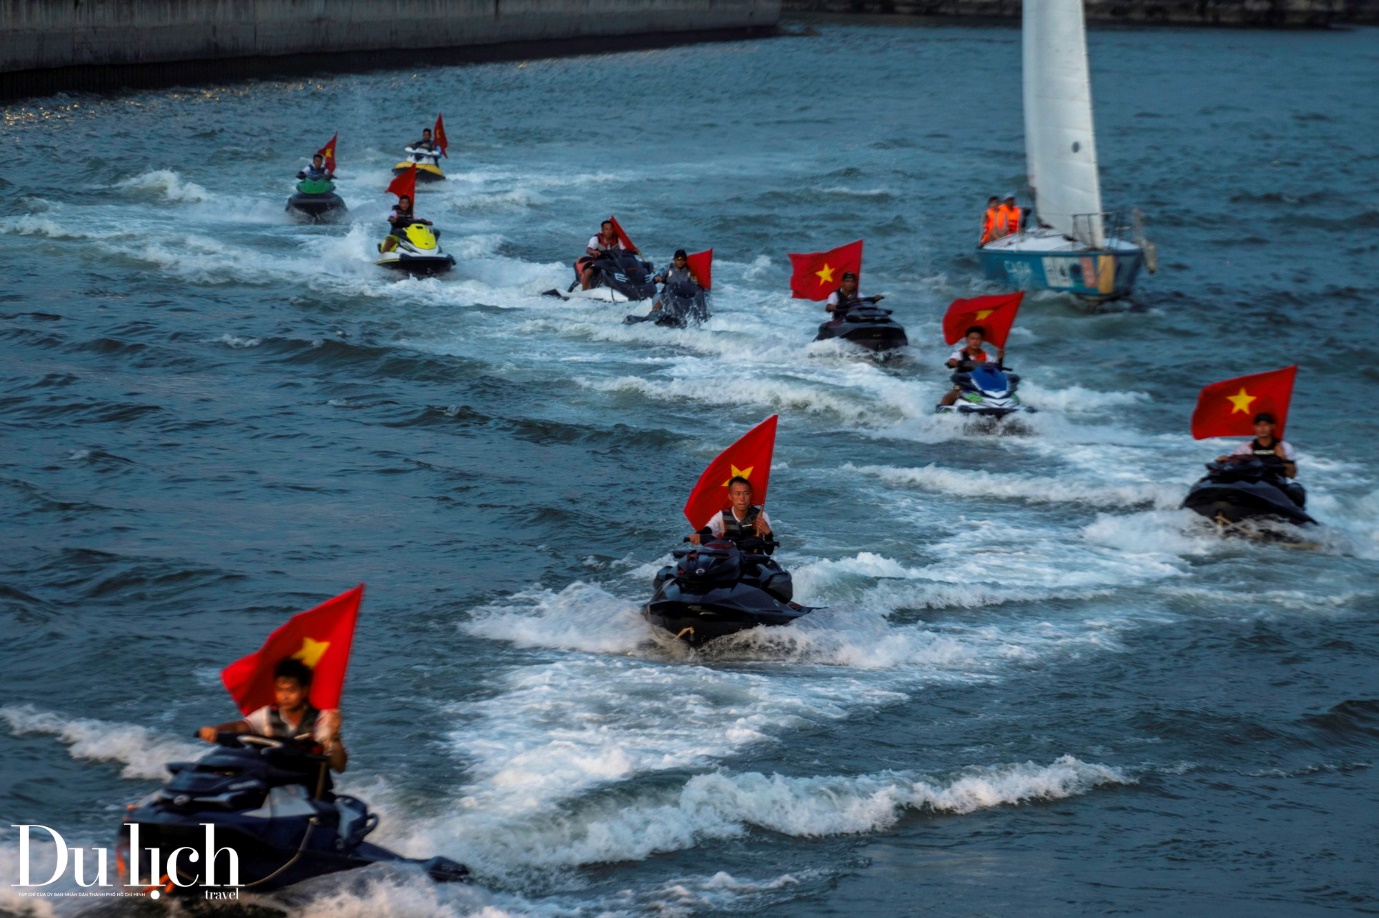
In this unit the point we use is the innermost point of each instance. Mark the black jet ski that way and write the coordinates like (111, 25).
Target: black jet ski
(317, 201)
(619, 277)
(865, 324)
(718, 588)
(985, 391)
(270, 801)
(1247, 489)
(681, 304)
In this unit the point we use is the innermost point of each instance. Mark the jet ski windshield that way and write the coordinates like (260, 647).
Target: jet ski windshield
(990, 378)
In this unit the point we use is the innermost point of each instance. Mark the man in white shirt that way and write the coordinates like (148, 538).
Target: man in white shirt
(741, 521)
(606, 240)
(292, 717)
(845, 297)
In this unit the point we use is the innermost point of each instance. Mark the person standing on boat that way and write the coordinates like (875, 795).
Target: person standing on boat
(605, 241)
(993, 209)
(401, 218)
(845, 297)
(962, 359)
(742, 520)
(317, 171)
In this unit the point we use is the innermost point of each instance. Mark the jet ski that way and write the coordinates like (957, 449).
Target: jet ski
(867, 325)
(317, 201)
(269, 801)
(719, 588)
(619, 277)
(428, 163)
(986, 392)
(1244, 489)
(681, 304)
(417, 252)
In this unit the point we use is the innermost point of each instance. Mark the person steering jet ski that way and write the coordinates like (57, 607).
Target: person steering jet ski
(317, 171)
(291, 716)
(1277, 455)
(971, 352)
(401, 218)
(742, 520)
(845, 297)
(605, 240)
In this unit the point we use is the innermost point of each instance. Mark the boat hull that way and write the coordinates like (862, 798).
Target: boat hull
(1096, 274)
(425, 171)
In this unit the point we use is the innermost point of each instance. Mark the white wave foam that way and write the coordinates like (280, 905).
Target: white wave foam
(1036, 489)
(143, 752)
(238, 342)
(166, 184)
(579, 617)
(723, 805)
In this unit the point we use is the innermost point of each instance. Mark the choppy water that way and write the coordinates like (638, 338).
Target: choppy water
(1038, 687)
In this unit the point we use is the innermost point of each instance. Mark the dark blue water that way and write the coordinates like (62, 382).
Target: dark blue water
(1037, 688)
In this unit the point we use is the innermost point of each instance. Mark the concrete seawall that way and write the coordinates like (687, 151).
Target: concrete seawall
(1259, 13)
(76, 42)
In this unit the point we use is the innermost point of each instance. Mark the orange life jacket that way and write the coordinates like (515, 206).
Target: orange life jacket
(1008, 220)
(989, 224)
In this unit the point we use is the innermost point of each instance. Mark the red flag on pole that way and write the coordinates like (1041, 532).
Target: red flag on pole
(405, 184)
(622, 236)
(319, 637)
(328, 152)
(1228, 408)
(438, 135)
(701, 263)
(749, 458)
(995, 314)
(815, 275)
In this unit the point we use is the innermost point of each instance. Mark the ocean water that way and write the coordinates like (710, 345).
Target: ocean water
(1037, 687)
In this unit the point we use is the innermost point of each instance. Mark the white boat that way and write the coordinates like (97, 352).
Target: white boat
(1072, 245)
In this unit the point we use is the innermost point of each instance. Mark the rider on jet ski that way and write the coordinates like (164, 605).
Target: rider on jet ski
(743, 520)
(292, 716)
(971, 352)
(1277, 455)
(401, 218)
(425, 143)
(845, 297)
(605, 241)
(317, 170)
(677, 274)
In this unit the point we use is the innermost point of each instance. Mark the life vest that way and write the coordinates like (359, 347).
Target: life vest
(1265, 454)
(734, 530)
(280, 729)
(989, 224)
(1008, 220)
(845, 302)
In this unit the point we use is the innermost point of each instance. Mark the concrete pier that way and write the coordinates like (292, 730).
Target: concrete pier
(91, 43)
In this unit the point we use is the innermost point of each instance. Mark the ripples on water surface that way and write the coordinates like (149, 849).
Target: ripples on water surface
(1038, 687)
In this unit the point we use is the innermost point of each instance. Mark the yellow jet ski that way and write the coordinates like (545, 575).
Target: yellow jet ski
(428, 163)
(418, 252)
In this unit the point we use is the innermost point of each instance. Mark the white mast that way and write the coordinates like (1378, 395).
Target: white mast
(1060, 145)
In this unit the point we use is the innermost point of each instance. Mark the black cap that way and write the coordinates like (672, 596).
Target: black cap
(847, 274)
(680, 253)
(1266, 417)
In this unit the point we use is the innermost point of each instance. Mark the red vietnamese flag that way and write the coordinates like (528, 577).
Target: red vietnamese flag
(701, 264)
(622, 235)
(1228, 408)
(319, 637)
(815, 275)
(438, 135)
(328, 152)
(750, 458)
(405, 184)
(995, 314)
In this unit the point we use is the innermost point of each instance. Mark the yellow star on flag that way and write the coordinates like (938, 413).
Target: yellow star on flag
(311, 651)
(826, 275)
(1241, 401)
(739, 473)
(984, 313)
